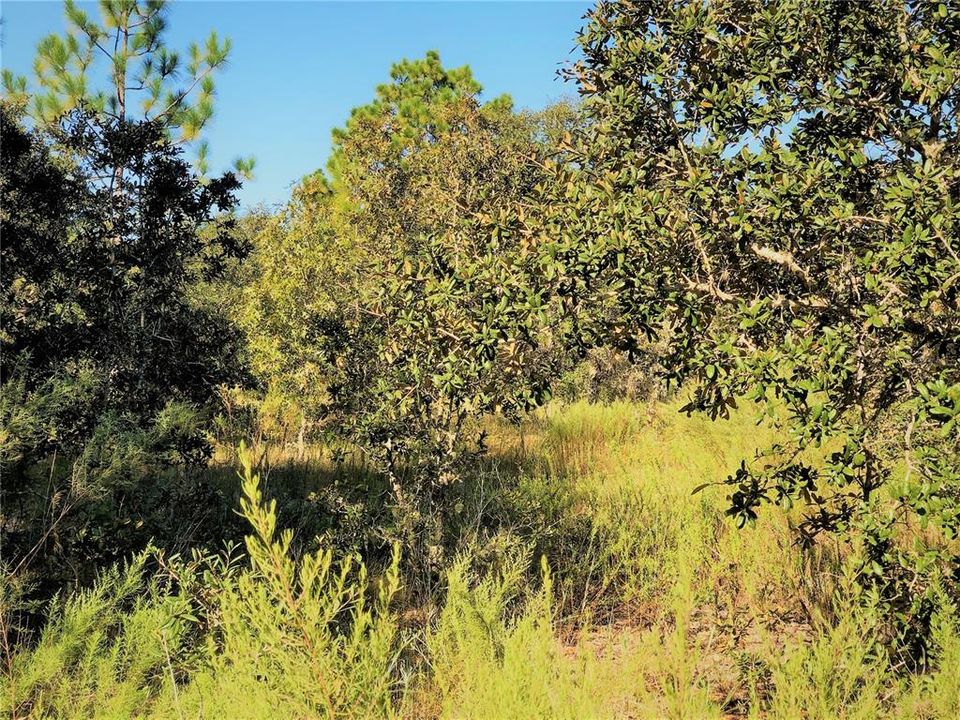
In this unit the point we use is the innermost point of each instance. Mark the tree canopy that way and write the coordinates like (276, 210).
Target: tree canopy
(108, 355)
(120, 67)
(774, 186)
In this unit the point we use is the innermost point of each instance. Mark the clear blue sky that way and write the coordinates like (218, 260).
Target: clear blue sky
(299, 67)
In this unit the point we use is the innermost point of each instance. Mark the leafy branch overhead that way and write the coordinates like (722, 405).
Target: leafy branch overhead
(776, 185)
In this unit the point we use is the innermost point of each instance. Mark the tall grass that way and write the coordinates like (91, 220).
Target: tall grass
(661, 607)
(283, 637)
(587, 581)
(104, 653)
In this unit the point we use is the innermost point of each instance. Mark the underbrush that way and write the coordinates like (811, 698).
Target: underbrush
(582, 579)
(297, 638)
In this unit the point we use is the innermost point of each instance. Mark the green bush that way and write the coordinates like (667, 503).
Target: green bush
(305, 637)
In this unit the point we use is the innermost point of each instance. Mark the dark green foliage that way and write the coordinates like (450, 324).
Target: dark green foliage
(98, 267)
(774, 186)
(107, 357)
(40, 202)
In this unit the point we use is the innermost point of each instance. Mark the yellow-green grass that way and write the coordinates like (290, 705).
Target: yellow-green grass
(587, 581)
(700, 619)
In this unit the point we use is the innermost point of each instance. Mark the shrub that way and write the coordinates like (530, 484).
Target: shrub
(109, 357)
(302, 637)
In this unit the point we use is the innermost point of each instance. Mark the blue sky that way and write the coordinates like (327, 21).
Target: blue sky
(298, 68)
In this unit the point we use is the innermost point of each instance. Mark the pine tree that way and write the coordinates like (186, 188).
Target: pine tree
(142, 78)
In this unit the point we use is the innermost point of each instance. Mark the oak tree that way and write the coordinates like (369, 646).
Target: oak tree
(774, 188)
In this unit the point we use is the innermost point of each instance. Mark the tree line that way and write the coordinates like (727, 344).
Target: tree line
(758, 201)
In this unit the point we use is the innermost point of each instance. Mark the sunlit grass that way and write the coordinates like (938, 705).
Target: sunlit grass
(585, 579)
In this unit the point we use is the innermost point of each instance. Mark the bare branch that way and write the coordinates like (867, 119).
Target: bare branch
(783, 258)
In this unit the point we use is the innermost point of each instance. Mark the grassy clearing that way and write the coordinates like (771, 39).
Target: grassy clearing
(584, 580)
